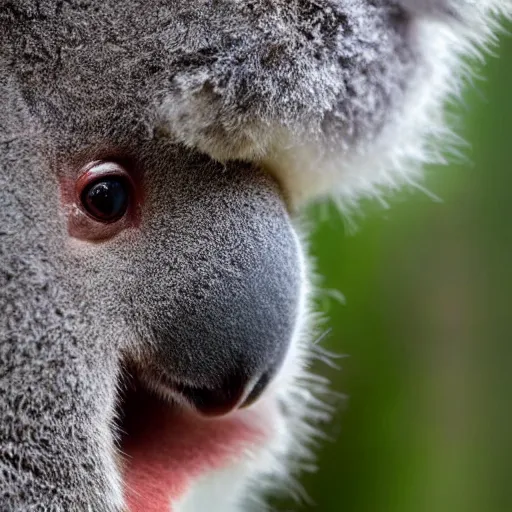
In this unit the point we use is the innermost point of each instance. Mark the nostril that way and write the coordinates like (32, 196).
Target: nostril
(223, 399)
(218, 401)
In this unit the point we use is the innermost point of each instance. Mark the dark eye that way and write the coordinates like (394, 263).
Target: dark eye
(107, 198)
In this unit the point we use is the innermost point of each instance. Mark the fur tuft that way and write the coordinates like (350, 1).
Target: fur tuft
(336, 99)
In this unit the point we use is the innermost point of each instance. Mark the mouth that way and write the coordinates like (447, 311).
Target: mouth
(166, 446)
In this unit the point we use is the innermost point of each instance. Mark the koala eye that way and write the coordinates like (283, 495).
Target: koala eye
(106, 199)
(104, 192)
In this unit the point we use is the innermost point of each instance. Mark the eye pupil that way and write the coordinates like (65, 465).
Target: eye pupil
(107, 199)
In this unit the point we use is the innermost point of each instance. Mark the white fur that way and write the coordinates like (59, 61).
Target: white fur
(417, 132)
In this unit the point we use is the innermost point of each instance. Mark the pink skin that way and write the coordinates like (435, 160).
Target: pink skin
(166, 448)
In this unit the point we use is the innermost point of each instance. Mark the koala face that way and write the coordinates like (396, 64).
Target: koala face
(154, 322)
(146, 270)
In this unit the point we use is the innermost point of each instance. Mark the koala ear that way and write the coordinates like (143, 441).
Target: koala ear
(441, 35)
(335, 99)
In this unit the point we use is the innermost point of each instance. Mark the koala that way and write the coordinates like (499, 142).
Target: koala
(156, 326)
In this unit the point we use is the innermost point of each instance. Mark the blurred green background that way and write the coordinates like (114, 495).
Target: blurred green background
(426, 324)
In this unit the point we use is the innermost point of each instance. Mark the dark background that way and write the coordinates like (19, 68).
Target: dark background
(426, 325)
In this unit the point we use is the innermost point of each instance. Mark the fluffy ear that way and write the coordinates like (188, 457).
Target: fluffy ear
(443, 35)
(339, 99)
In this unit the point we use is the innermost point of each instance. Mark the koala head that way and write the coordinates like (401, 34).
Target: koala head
(155, 327)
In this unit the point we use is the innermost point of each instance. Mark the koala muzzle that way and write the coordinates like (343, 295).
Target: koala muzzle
(222, 318)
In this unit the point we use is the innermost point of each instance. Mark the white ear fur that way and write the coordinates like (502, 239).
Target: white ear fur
(417, 131)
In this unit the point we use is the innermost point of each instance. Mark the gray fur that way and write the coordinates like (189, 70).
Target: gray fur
(209, 287)
(225, 73)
